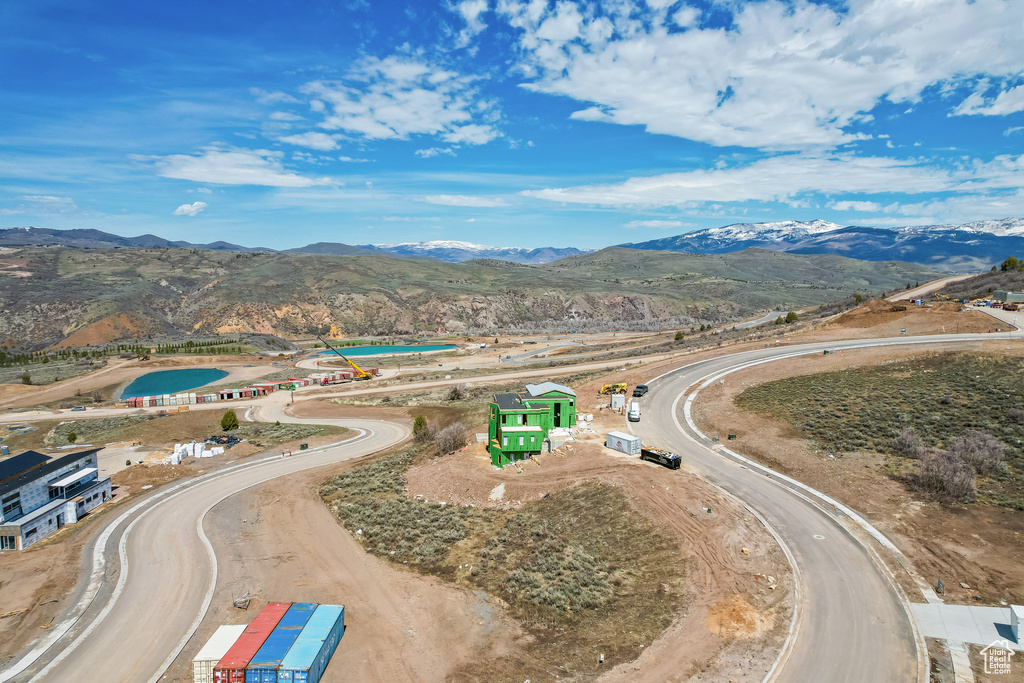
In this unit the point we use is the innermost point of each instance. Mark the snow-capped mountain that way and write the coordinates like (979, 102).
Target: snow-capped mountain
(968, 247)
(455, 251)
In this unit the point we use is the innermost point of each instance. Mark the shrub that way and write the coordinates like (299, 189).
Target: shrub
(72, 437)
(454, 394)
(26, 379)
(980, 450)
(229, 421)
(948, 477)
(792, 317)
(909, 444)
(451, 438)
(679, 336)
(419, 428)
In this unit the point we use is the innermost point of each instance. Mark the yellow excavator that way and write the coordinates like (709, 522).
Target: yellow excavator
(360, 373)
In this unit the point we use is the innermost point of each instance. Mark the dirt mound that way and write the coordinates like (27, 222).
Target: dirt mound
(890, 318)
(112, 328)
(734, 617)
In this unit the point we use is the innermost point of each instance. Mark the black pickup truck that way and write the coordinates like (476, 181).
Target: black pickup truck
(639, 390)
(669, 460)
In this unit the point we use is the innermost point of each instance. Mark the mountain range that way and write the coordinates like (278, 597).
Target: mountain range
(969, 247)
(953, 248)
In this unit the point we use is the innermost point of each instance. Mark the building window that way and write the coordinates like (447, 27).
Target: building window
(8, 542)
(30, 533)
(12, 506)
(504, 441)
(521, 440)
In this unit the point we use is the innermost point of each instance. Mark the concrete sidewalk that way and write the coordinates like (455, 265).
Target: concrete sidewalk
(965, 623)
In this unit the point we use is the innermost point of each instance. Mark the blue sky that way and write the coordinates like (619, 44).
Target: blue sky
(504, 122)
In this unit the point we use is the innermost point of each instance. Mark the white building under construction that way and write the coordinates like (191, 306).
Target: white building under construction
(39, 494)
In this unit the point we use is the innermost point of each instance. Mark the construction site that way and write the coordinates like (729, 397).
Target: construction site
(423, 545)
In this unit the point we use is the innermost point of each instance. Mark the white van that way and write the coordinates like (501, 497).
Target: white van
(634, 411)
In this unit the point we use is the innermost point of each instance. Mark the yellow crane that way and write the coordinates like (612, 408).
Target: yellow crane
(360, 373)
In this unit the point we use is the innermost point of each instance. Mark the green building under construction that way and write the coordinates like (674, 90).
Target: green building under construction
(518, 424)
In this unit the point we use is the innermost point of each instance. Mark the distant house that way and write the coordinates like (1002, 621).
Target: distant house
(39, 495)
(518, 424)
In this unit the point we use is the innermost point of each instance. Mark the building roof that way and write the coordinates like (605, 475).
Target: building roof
(508, 402)
(537, 390)
(12, 467)
(28, 475)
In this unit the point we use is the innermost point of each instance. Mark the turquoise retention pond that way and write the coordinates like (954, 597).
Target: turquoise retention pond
(171, 381)
(374, 350)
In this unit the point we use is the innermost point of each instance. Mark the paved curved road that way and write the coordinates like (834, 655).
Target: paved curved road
(133, 630)
(853, 625)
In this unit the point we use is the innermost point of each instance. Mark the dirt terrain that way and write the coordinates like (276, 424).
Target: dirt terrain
(981, 546)
(879, 319)
(280, 542)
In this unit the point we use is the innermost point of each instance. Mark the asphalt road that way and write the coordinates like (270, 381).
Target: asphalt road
(135, 627)
(852, 624)
(852, 627)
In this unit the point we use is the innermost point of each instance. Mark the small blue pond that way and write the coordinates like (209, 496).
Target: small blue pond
(171, 381)
(374, 350)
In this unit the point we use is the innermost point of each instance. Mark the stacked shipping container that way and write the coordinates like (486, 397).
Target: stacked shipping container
(309, 656)
(231, 668)
(264, 665)
(214, 650)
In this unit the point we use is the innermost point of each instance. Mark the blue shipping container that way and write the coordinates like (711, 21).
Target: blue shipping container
(313, 649)
(263, 666)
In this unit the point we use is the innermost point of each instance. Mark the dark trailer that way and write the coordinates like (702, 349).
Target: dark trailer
(669, 460)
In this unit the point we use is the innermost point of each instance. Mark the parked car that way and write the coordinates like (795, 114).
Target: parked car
(640, 390)
(78, 408)
(634, 412)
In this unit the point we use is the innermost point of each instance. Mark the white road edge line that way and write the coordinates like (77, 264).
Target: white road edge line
(99, 565)
(777, 476)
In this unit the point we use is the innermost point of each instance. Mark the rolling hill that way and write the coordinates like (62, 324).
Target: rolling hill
(48, 294)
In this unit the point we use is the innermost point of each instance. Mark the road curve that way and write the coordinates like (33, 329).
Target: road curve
(853, 624)
(134, 629)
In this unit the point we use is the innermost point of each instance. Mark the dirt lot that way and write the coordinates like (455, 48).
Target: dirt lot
(979, 545)
(878, 319)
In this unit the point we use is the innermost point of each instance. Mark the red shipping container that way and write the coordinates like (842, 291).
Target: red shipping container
(231, 667)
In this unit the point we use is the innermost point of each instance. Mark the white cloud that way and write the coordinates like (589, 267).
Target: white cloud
(470, 11)
(313, 140)
(660, 225)
(190, 209)
(786, 178)
(780, 76)
(352, 160)
(204, 190)
(401, 96)
(268, 97)
(40, 204)
(434, 151)
(1006, 102)
(463, 200)
(855, 206)
(230, 166)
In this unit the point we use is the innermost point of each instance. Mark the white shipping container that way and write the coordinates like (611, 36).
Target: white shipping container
(214, 650)
(627, 443)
